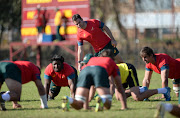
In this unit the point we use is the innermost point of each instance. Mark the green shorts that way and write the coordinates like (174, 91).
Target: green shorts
(93, 75)
(9, 70)
(108, 46)
(176, 81)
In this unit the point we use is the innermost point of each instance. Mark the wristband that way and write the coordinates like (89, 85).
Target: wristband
(79, 61)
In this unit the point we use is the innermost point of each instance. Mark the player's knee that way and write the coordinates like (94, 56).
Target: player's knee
(54, 92)
(137, 98)
(108, 98)
(81, 100)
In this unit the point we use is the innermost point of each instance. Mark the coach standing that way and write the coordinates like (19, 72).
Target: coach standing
(92, 31)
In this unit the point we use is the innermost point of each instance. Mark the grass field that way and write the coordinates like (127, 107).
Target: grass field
(31, 104)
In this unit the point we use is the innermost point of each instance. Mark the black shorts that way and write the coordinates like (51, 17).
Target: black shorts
(132, 79)
(93, 75)
(9, 70)
(108, 46)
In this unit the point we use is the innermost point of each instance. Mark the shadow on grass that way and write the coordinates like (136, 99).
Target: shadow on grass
(25, 109)
(28, 100)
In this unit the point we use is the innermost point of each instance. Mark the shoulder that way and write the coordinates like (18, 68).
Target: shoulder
(66, 66)
(49, 68)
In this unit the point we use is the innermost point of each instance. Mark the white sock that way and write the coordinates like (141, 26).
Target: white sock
(162, 90)
(103, 100)
(70, 100)
(6, 96)
(43, 99)
(168, 107)
(141, 89)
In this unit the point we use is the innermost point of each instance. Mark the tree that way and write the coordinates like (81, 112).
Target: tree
(10, 16)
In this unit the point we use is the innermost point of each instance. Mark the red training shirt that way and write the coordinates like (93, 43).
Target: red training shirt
(164, 61)
(29, 71)
(94, 35)
(59, 78)
(105, 62)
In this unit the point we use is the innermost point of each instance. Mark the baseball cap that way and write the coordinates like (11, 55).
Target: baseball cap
(86, 58)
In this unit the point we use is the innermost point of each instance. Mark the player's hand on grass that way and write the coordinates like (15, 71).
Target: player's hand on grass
(123, 108)
(16, 106)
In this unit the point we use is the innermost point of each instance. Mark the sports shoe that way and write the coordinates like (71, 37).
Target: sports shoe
(167, 94)
(2, 103)
(99, 104)
(65, 103)
(160, 111)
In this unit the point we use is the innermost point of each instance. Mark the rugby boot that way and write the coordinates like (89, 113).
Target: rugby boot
(160, 111)
(2, 102)
(167, 94)
(99, 104)
(65, 103)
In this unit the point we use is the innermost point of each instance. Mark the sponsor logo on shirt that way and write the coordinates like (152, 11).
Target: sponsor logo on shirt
(114, 51)
(63, 76)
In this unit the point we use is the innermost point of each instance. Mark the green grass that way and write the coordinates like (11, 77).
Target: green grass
(31, 104)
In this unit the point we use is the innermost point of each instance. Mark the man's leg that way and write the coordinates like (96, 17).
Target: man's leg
(163, 107)
(54, 91)
(81, 98)
(14, 88)
(139, 95)
(106, 98)
(13, 94)
(176, 88)
(91, 93)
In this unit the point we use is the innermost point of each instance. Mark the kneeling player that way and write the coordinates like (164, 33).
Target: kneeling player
(96, 73)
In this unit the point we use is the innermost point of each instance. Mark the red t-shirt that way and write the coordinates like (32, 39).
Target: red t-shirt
(164, 61)
(29, 71)
(105, 62)
(94, 35)
(59, 78)
(39, 19)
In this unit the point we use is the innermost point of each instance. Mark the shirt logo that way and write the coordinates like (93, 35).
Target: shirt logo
(63, 76)
(84, 35)
(54, 76)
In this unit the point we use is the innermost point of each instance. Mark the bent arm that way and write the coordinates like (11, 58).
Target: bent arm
(147, 77)
(72, 87)
(120, 92)
(47, 86)
(40, 87)
(113, 41)
(42, 94)
(164, 77)
(80, 56)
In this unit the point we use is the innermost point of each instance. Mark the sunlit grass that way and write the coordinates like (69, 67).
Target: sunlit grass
(31, 104)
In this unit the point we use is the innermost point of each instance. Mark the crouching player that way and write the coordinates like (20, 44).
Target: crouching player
(96, 73)
(15, 74)
(59, 74)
